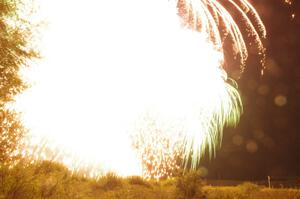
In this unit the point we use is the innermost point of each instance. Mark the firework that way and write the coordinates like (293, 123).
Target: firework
(160, 155)
(212, 17)
(203, 120)
(106, 70)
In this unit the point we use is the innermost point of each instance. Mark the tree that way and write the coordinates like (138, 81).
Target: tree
(15, 52)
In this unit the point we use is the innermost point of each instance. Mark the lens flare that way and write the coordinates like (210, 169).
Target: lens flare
(135, 86)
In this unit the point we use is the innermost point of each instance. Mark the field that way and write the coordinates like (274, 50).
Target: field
(51, 180)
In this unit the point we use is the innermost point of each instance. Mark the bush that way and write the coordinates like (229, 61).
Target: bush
(42, 179)
(248, 188)
(137, 180)
(47, 167)
(109, 182)
(190, 185)
(169, 182)
(17, 182)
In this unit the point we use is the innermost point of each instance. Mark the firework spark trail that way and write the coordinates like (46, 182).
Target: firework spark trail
(204, 121)
(159, 154)
(207, 16)
(163, 58)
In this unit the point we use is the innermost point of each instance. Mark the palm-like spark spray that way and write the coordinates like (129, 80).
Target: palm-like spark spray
(213, 19)
(205, 119)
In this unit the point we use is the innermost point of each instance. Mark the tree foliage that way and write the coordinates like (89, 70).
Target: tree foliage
(15, 52)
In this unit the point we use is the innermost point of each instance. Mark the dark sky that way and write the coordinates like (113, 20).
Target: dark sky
(267, 139)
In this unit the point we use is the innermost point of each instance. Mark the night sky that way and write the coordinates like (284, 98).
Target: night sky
(267, 139)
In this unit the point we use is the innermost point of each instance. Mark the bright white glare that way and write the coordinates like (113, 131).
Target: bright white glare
(107, 62)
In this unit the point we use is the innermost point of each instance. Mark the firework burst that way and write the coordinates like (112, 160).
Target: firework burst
(204, 120)
(159, 154)
(152, 78)
(213, 19)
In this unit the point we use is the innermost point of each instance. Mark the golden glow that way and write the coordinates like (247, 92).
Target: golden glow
(109, 63)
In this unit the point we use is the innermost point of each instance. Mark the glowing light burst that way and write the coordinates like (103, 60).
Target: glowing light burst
(218, 103)
(109, 64)
(213, 19)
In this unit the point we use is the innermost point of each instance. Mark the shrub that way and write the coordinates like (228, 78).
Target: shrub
(17, 182)
(47, 167)
(137, 180)
(248, 188)
(109, 182)
(169, 182)
(42, 179)
(190, 185)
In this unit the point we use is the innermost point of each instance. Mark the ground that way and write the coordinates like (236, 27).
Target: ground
(51, 180)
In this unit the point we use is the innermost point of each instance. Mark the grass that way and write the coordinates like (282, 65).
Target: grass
(262, 193)
(49, 180)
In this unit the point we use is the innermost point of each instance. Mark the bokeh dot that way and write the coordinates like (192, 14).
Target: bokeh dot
(258, 134)
(238, 140)
(252, 84)
(263, 89)
(203, 171)
(273, 68)
(251, 146)
(268, 142)
(280, 100)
